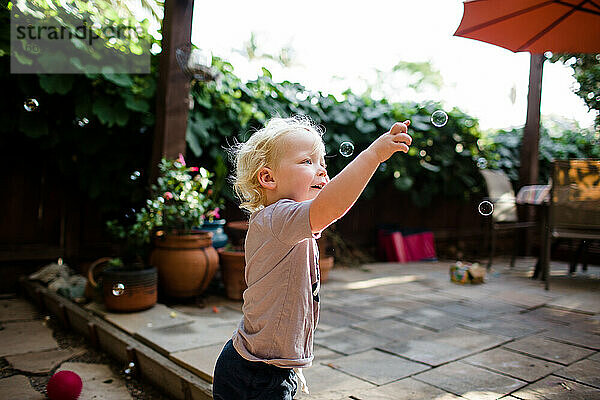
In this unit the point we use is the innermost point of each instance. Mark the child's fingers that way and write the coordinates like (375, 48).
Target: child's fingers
(403, 147)
(400, 127)
(402, 138)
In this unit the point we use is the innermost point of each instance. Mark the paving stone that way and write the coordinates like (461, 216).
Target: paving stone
(377, 367)
(550, 350)
(330, 318)
(159, 316)
(573, 336)
(469, 381)
(99, 382)
(201, 361)
(405, 389)
(185, 337)
(347, 340)
(25, 337)
(403, 303)
(481, 309)
(441, 347)
(557, 388)
(522, 298)
(425, 351)
(525, 319)
(590, 325)
(588, 302)
(391, 329)
(323, 355)
(432, 318)
(224, 313)
(584, 371)
(18, 387)
(514, 364)
(504, 327)
(560, 316)
(369, 312)
(17, 310)
(42, 362)
(325, 383)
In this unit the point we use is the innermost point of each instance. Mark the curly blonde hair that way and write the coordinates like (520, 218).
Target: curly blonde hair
(263, 149)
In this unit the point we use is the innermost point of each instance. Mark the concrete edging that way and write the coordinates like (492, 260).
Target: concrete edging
(173, 379)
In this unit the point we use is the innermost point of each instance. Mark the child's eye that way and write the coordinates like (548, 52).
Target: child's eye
(308, 160)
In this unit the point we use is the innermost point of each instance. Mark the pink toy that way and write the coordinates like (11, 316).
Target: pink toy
(64, 385)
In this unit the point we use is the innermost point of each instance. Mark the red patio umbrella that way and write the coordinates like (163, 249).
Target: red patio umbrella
(536, 26)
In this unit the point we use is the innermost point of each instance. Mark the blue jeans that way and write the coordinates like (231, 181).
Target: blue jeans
(236, 378)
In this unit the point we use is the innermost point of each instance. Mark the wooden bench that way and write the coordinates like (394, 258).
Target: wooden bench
(574, 211)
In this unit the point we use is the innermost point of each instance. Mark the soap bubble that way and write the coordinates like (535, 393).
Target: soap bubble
(82, 122)
(346, 149)
(439, 118)
(118, 289)
(485, 208)
(459, 148)
(130, 370)
(481, 163)
(31, 105)
(383, 167)
(135, 175)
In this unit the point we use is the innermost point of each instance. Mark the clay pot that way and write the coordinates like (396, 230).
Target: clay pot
(186, 263)
(237, 230)
(233, 264)
(325, 265)
(125, 290)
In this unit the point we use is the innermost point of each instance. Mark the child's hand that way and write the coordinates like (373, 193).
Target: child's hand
(396, 139)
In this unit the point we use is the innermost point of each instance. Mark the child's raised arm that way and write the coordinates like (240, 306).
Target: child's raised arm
(339, 195)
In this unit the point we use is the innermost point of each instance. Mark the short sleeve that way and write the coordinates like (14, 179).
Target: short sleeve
(290, 221)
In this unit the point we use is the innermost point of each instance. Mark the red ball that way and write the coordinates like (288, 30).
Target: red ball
(64, 385)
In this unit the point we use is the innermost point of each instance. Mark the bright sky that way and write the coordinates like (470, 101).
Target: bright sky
(339, 44)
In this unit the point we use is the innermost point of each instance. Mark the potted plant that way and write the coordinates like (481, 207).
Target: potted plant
(128, 282)
(185, 259)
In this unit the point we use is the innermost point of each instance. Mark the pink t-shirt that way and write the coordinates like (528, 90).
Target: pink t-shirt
(281, 304)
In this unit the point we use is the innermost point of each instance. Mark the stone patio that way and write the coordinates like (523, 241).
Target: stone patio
(404, 331)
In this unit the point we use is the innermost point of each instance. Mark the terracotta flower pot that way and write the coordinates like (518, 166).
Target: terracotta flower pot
(186, 263)
(325, 265)
(233, 264)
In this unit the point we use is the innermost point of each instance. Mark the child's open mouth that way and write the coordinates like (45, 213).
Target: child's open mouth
(319, 186)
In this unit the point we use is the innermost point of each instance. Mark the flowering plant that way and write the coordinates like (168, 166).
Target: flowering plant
(181, 200)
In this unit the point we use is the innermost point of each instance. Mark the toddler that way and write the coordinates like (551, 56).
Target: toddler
(281, 178)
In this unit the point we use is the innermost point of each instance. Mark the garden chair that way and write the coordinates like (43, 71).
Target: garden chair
(504, 216)
(574, 204)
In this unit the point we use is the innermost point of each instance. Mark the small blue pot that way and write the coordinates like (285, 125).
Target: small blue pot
(219, 238)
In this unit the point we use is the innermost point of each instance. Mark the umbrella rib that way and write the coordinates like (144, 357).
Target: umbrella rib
(579, 8)
(550, 27)
(505, 17)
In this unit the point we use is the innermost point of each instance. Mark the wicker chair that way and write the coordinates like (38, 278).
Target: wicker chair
(505, 216)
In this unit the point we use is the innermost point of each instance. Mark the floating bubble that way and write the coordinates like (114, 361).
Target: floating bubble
(482, 163)
(31, 104)
(346, 149)
(429, 142)
(459, 148)
(396, 174)
(485, 208)
(118, 289)
(130, 370)
(383, 167)
(82, 122)
(439, 118)
(422, 153)
(135, 175)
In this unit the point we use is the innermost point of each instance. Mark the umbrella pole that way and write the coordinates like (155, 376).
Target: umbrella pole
(528, 172)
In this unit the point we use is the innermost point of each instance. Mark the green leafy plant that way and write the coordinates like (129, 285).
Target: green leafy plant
(181, 200)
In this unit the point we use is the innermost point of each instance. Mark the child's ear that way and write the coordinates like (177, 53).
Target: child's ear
(266, 179)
